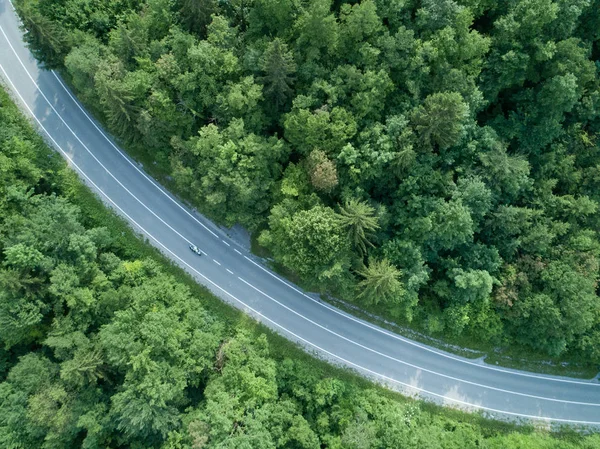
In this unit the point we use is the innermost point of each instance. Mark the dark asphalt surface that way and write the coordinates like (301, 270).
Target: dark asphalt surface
(238, 277)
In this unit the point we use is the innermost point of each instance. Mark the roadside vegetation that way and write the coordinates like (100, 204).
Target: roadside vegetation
(105, 344)
(434, 161)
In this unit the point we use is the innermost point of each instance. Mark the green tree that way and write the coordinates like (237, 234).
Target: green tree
(505, 174)
(278, 68)
(162, 345)
(452, 225)
(319, 129)
(433, 15)
(21, 309)
(32, 375)
(223, 168)
(208, 68)
(129, 40)
(474, 194)
(159, 121)
(47, 39)
(317, 30)
(364, 93)
(380, 283)
(471, 285)
(82, 64)
(441, 119)
(272, 17)
(359, 29)
(240, 100)
(407, 256)
(310, 242)
(117, 95)
(542, 112)
(195, 15)
(360, 221)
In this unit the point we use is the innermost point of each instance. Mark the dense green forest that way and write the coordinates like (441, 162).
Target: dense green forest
(433, 160)
(100, 347)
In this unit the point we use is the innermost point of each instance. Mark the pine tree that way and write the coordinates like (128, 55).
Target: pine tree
(381, 283)
(360, 221)
(278, 67)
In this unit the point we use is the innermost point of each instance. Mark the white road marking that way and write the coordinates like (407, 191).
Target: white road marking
(225, 242)
(458, 401)
(229, 271)
(414, 343)
(216, 262)
(402, 362)
(124, 156)
(237, 251)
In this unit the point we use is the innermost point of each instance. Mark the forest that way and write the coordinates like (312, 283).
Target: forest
(101, 346)
(437, 161)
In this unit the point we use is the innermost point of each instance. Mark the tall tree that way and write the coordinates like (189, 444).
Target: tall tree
(322, 171)
(309, 242)
(441, 119)
(381, 283)
(230, 167)
(48, 40)
(195, 15)
(320, 129)
(358, 218)
(278, 67)
(317, 30)
(117, 98)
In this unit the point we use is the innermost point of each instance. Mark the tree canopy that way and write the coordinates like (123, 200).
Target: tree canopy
(458, 140)
(101, 347)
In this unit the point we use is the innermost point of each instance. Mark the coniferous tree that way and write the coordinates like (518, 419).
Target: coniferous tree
(381, 283)
(359, 219)
(278, 67)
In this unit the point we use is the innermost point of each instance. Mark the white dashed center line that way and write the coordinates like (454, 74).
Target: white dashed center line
(216, 262)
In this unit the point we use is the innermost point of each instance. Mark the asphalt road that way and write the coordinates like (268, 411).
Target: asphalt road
(238, 278)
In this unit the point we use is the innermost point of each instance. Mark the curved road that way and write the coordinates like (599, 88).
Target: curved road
(235, 276)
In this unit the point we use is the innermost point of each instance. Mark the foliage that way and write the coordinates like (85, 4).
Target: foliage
(472, 127)
(310, 242)
(438, 121)
(229, 171)
(360, 221)
(101, 348)
(322, 171)
(277, 64)
(380, 283)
